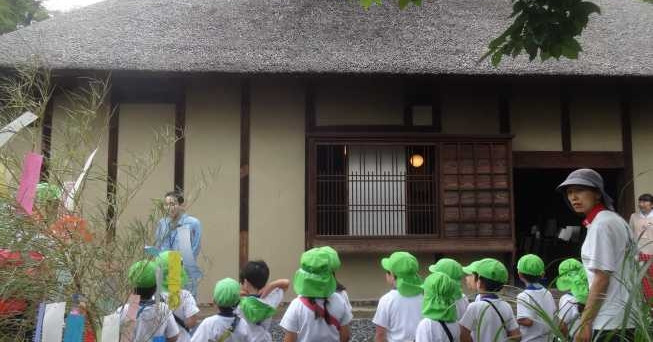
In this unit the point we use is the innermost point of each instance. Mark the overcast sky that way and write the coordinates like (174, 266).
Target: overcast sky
(67, 5)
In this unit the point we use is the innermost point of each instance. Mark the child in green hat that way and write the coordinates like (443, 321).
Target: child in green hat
(490, 318)
(152, 321)
(335, 264)
(318, 313)
(454, 270)
(470, 278)
(572, 280)
(225, 326)
(261, 299)
(399, 310)
(186, 315)
(535, 305)
(439, 310)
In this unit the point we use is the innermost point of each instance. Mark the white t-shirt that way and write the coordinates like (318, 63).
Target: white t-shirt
(461, 306)
(399, 315)
(532, 304)
(569, 313)
(301, 320)
(345, 297)
(187, 308)
(151, 321)
(605, 247)
(212, 328)
(429, 330)
(484, 323)
(261, 332)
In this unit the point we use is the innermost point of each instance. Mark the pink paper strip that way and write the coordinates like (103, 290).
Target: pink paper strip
(133, 302)
(28, 181)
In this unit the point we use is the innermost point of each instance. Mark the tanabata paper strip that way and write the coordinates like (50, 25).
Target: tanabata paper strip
(74, 328)
(53, 322)
(174, 280)
(28, 181)
(38, 329)
(70, 199)
(111, 328)
(15, 126)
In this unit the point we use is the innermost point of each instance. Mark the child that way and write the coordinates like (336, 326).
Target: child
(534, 302)
(335, 265)
(317, 314)
(152, 322)
(399, 311)
(470, 279)
(186, 315)
(489, 319)
(454, 270)
(260, 301)
(225, 326)
(573, 280)
(439, 310)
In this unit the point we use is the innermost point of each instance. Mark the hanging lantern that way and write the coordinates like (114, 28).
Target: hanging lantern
(416, 160)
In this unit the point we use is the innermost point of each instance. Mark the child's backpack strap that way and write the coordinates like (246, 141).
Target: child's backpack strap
(320, 311)
(447, 331)
(503, 322)
(227, 333)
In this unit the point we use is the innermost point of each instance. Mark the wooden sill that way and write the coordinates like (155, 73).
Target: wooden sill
(351, 245)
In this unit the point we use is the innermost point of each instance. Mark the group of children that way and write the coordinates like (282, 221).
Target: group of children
(415, 309)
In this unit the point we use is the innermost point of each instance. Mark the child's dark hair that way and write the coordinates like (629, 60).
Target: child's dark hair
(256, 273)
(530, 278)
(339, 286)
(490, 285)
(227, 309)
(145, 292)
(317, 314)
(176, 195)
(646, 198)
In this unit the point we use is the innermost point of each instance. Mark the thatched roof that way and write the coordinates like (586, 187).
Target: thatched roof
(317, 36)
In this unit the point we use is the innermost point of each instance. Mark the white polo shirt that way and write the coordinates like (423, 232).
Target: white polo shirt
(261, 332)
(485, 324)
(531, 303)
(301, 320)
(187, 308)
(429, 330)
(399, 315)
(605, 247)
(214, 327)
(461, 306)
(568, 313)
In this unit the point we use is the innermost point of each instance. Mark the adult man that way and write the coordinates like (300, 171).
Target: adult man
(642, 225)
(606, 255)
(181, 232)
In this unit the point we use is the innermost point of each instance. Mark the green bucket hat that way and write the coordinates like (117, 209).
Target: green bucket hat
(440, 295)
(142, 274)
(254, 310)
(580, 289)
(315, 276)
(404, 266)
(334, 259)
(450, 267)
(568, 271)
(226, 293)
(531, 264)
(162, 262)
(492, 269)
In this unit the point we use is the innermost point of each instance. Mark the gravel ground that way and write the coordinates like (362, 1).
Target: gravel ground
(362, 330)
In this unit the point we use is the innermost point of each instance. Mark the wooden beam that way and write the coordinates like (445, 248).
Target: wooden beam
(112, 165)
(565, 118)
(504, 110)
(180, 139)
(245, 98)
(567, 160)
(416, 244)
(626, 198)
(46, 138)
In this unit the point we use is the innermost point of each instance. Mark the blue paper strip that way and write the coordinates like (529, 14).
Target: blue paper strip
(38, 330)
(74, 331)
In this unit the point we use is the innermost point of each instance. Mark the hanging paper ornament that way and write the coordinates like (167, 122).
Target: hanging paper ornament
(174, 280)
(71, 227)
(28, 180)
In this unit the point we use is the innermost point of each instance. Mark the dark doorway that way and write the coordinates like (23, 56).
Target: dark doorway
(540, 213)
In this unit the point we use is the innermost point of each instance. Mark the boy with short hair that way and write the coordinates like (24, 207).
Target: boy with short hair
(399, 311)
(260, 299)
(225, 326)
(489, 319)
(534, 302)
(152, 322)
(439, 310)
(454, 270)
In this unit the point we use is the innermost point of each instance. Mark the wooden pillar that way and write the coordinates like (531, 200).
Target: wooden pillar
(245, 98)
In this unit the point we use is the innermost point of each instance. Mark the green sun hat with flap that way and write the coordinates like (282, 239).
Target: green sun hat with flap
(226, 293)
(255, 310)
(404, 266)
(315, 278)
(568, 271)
(162, 260)
(450, 267)
(440, 295)
(334, 259)
(142, 274)
(492, 269)
(531, 264)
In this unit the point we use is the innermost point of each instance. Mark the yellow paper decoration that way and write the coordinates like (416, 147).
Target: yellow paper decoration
(4, 182)
(174, 280)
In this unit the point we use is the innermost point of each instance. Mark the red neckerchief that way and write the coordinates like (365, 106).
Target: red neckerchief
(592, 214)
